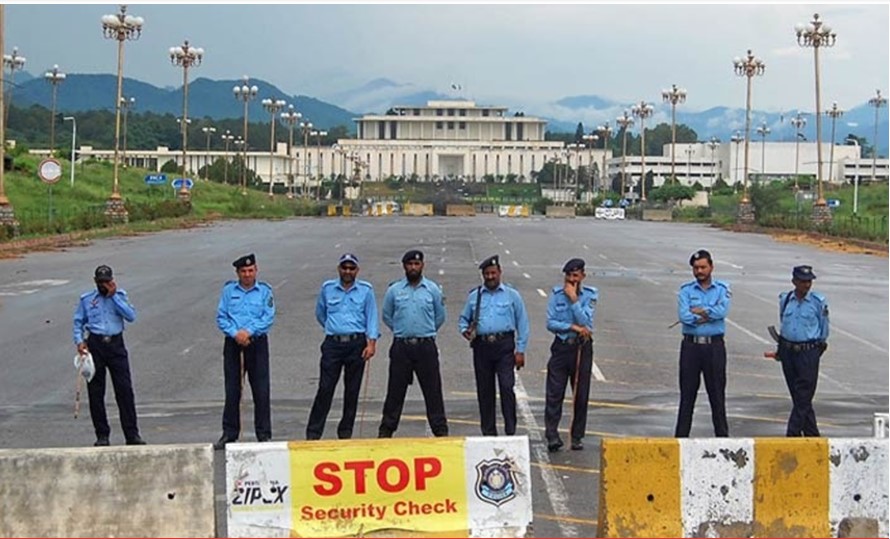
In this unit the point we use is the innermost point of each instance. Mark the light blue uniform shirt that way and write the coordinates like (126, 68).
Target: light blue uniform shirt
(500, 310)
(804, 320)
(413, 311)
(341, 311)
(715, 299)
(253, 310)
(101, 315)
(562, 313)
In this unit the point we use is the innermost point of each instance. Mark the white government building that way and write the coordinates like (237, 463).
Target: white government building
(461, 140)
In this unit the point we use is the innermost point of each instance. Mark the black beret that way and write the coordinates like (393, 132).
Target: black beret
(574, 264)
(104, 273)
(413, 254)
(246, 260)
(490, 261)
(803, 273)
(698, 255)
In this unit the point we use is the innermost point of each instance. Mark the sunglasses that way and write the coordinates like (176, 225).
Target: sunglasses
(349, 268)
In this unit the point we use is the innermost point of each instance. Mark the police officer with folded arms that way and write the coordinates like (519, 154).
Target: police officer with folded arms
(495, 322)
(702, 307)
(803, 314)
(99, 329)
(570, 314)
(414, 309)
(245, 314)
(347, 310)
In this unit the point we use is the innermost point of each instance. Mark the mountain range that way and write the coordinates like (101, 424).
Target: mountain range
(214, 99)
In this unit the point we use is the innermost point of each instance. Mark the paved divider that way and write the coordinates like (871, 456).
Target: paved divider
(418, 210)
(560, 211)
(460, 210)
(657, 215)
(744, 487)
(513, 211)
(334, 211)
(148, 491)
(449, 487)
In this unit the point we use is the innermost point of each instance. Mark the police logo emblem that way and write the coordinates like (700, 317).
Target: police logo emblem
(495, 481)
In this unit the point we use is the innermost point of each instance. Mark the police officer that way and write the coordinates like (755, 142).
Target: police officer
(347, 310)
(99, 329)
(570, 313)
(414, 309)
(803, 314)
(245, 315)
(702, 306)
(495, 322)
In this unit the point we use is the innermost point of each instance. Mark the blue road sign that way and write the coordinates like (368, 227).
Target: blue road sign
(156, 179)
(177, 183)
(833, 203)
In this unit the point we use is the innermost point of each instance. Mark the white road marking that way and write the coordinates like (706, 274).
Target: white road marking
(526, 275)
(441, 260)
(556, 490)
(597, 373)
(279, 285)
(507, 251)
(515, 263)
(858, 339)
(748, 332)
(337, 246)
(500, 242)
(186, 351)
(441, 272)
(604, 257)
(444, 249)
(542, 293)
(647, 279)
(736, 266)
(19, 293)
(588, 248)
(39, 282)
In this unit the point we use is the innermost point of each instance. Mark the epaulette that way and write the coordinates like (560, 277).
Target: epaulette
(557, 289)
(264, 284)
(819, 297)
(329, 282)
(85, 294)
(688, 283)
(364, 283)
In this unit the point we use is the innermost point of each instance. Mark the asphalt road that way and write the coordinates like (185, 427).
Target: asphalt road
(174, 279)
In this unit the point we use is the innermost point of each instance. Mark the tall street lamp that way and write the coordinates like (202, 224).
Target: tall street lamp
(306, 128)
(605, 132)
(589, 140)
(208, 130)
(835, 113)
(185, 56)
(120, 27)
(272, 106)
(747, 67)
(227, 137)
(877, 102)
(625, 121)
(673, 96)
(73, 121)
(126, 105)
(817, 34)
(737, 138)
(763, 131)
(713, 144)
(13, 62)
(318, 136)
(54, 77)
(290, 117)
(642, 111)
(855, 142)
(798, 122)
(7, 214)
(244, 93)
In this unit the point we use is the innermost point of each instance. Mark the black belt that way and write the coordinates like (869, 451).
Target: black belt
(702, 339)
(571, 341)
(414, 340)
(106, 338)
(495, 337)
(347, 337)
(801, 346)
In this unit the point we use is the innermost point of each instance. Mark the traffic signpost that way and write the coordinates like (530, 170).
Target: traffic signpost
(49, 171)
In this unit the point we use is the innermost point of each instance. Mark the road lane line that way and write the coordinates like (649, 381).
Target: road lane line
(279, 285)
(542, 293)
(507, 251)
(556, 490)
(748, 332)
(586, 247)
(573, 520)
(597, 373)
(441, 272)
(515, 263)
(604, 257)
(564, 468)
(526, 275)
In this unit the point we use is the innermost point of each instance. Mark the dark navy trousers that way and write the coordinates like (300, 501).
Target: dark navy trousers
(256, 364)
(801, 370)
(405, 361)
(113, 357)
(699, 361)
(335, 357)
(495, 360)
(564, 365)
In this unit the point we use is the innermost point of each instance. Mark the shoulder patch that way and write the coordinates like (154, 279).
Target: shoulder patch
(86, 294)
(556, 289)
(364, 283)
(688, 283)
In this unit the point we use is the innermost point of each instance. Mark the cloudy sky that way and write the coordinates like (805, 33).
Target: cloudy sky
(500, 54)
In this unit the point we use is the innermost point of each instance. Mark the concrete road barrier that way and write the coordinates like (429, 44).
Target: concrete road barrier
(744, 487)
(657, 215)
(513, 211)
(560, 211)
(418, 210)
(147, 491)
(460, 210)
(378, 209)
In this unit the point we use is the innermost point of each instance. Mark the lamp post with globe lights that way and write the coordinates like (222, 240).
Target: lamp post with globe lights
(306, 128)
(208, 130)
(763, 131)
(605, 132)
(817, 34)
(239, 150)
(290, 117)
(272, 106)
(318, 136)
(642, 111)
(120, 27)
(798, 122)
(877, 102)
(185, 56)
(747, 67)
(227, 137)
(673, 96)
(736, 138)
(13, 62)
(713, 144)
(54, 77)
(7, 214)
(126, 105)
(589, 140)
(244, 93)
(834, 112)
(625, 121)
